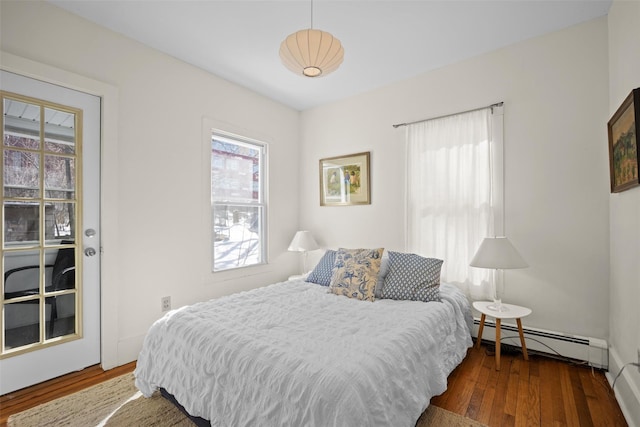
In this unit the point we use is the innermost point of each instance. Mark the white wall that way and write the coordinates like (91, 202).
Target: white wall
(624, 316)
(161, 235)
(556, 163)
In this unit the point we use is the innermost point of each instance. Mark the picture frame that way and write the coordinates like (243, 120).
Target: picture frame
(345, 180)
(624, 153)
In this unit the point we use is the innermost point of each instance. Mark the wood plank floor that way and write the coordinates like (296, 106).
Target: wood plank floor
(541, 392)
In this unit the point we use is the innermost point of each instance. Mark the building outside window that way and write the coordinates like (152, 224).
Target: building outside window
(238, 202)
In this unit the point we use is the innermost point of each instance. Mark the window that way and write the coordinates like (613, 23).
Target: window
(454, 190)
(40, 302)
(238, 202)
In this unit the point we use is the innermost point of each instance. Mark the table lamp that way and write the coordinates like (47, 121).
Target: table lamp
(303, 242)
(499, 254)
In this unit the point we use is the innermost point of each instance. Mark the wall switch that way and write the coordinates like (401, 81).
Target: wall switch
(165, 303)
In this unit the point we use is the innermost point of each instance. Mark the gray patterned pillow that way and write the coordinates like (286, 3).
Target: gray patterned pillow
(322, 273)
(412, 277)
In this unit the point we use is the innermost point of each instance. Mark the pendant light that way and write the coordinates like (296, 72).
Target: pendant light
(311, 53)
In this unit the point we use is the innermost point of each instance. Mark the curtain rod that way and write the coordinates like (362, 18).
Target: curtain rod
(497, 104)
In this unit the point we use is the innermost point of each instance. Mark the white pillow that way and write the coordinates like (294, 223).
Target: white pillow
(384, 269)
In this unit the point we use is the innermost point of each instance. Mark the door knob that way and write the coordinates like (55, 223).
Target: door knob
(90, 232)
(89, 252)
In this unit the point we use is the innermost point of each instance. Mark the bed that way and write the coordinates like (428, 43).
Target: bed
(294, 354)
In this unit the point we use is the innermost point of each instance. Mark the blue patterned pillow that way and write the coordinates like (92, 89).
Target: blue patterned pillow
(412, 277)
(322, 273)
(355, 273)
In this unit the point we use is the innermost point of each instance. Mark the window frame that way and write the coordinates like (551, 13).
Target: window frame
(261, 203)
(45, 248)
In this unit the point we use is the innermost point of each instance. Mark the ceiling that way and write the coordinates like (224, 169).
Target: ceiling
(384, 41)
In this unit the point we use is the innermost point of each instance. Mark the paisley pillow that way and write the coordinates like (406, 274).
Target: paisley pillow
(355, 273)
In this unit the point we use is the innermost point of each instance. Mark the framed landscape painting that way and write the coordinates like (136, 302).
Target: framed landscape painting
(624, 155)
(344, 180)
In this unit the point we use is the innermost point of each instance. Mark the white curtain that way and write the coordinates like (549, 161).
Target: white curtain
(449, 194)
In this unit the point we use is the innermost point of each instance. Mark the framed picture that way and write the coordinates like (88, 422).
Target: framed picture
(345, 180)
(624, 154)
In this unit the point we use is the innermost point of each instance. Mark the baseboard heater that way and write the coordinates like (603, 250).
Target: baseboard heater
(594, 351)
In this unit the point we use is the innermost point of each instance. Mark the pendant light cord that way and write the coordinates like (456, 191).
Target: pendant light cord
(312, 14)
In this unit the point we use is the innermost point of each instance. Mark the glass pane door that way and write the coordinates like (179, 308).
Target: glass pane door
(40, 288)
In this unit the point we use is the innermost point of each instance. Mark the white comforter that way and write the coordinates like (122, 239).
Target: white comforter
(292, 354)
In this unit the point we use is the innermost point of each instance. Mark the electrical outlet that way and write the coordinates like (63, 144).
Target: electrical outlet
(165, 303)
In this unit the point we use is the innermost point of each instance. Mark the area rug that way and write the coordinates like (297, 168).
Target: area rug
(118, 403)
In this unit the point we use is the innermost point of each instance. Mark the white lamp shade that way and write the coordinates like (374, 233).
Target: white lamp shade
(303, 241)
(311, 53)
(498, 253)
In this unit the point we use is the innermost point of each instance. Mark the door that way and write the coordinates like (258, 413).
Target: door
(50, 298)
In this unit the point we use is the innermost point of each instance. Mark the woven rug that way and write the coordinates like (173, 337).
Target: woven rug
(117, 403)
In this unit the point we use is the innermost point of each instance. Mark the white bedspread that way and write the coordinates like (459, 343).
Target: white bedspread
(292, 354)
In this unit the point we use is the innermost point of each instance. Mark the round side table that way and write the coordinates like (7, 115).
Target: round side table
(510, 311)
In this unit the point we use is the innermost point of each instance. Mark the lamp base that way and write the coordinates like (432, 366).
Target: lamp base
(497, 306)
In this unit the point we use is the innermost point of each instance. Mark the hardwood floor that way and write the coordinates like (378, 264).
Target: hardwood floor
(540, 392)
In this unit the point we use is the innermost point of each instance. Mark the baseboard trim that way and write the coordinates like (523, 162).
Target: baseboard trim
(626, 391)
(129, 349)
(593, 351)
